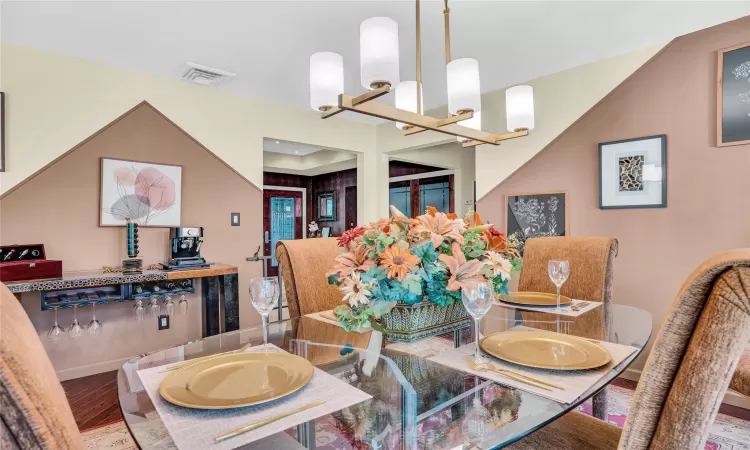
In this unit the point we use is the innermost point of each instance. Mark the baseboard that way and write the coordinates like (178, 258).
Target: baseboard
(730, 398)
(91, 369)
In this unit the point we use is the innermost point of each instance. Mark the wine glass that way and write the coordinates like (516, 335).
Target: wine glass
(95, 327)
(183, 304)
(168, 305)
(558, 272)
(56, 332)
(477, 299)
(153, 306)
(75, 330)
(139, 311)
(264, 293)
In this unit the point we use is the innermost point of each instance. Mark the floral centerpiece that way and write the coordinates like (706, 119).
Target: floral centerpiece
(403, 261)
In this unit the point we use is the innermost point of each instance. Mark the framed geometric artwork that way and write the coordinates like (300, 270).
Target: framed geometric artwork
(2, 131)
(733, 96)
(538, 214)
(146, 193)
(633, 173)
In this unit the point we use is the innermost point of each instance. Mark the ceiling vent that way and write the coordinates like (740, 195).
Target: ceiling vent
(206, 76)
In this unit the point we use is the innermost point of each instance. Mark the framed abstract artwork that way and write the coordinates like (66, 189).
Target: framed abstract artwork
(538, 214)
(146, 193)
(733, 96)
(633, 173)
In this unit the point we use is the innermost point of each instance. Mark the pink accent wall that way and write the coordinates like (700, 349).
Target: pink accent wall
(59, 207)
(708, 188)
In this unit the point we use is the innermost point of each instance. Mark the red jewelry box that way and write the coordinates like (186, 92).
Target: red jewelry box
(27, 262)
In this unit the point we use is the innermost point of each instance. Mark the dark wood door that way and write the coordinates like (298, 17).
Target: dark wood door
(282, 220)
(350, 207)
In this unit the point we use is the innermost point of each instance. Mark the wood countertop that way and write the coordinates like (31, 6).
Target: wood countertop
(92, 278)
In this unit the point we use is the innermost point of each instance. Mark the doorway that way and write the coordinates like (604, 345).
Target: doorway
(350, 207)
(282, 220)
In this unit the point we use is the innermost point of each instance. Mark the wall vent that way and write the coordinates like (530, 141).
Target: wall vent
(206, 76)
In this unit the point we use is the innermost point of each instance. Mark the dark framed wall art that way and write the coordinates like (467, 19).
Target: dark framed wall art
(733, 96)
(633, 173)
(538, 214)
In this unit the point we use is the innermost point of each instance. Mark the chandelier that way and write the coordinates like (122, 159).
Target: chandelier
(379, 71)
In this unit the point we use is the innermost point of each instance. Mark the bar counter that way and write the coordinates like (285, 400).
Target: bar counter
(219, 289)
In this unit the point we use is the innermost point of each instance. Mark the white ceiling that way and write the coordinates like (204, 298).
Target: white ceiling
(268, 43)
(290, 148)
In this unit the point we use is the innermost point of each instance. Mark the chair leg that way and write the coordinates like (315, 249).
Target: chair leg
(599, 401)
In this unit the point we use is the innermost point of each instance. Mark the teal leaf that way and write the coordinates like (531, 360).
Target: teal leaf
(413, 283)
(333, 279)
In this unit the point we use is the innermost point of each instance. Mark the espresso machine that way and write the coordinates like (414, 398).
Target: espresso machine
(185, 249)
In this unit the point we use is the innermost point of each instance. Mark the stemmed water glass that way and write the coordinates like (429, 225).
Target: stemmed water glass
(183, 304)
(168, 305)
(139, 311)
(153, 306)
(75, 330)
(558, 272)
(95, 327)
(56, 332)
(264, 293)
(477, 299)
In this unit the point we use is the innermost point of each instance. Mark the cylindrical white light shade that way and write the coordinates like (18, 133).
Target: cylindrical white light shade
(474, 123)
(326, 80)
(378, 52)
(519, 107)
(463, 85)
(406, 99)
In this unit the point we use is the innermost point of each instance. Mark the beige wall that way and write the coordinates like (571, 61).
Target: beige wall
(449, 156)
(708, 208)
(54, 102)
(60, 208)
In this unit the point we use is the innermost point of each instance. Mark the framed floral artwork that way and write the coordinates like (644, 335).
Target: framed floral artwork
(633, 173)
(537, 214)
(146, 193)
(733, 96)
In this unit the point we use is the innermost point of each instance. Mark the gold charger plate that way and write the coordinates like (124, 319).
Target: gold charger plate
(236, 380)
(535, 299)
(546, 350)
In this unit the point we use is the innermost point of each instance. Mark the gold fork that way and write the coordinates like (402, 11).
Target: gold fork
(252, 426)
(482, 368)
(546, 383)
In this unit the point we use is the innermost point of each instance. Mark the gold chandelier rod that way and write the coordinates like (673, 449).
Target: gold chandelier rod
(447, 16)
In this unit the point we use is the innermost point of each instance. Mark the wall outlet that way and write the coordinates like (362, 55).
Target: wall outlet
(163, 322)
(235, 219)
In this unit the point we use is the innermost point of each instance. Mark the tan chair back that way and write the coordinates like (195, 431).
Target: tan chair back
(33, 407)
(303, 264)
(592, 261)
(693, 358)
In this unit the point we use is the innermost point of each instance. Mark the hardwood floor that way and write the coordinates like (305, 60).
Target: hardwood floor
(93, 400)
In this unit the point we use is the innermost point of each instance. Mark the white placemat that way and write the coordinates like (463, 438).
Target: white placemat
(563, 311)
(193, 429)
(328, 317)
(575, 382)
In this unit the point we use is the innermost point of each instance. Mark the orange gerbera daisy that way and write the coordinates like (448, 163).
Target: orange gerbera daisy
(398, 262)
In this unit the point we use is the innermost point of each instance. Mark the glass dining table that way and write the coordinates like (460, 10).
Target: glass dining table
(416, 403)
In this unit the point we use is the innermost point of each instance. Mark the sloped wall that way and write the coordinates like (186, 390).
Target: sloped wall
(708, 204)
(60, 208)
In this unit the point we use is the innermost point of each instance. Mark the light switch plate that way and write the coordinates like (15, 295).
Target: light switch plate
(235, 219)
(163, 322)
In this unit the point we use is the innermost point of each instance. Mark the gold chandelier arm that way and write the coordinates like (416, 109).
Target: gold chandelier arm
(419, 61)
(441, 122)
(498, 138)
(447, 15)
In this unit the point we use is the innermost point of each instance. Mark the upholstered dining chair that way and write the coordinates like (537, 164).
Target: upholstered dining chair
(741, 379)
(592, 261)
(686, 374)
(303, 264)
(34, 413)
